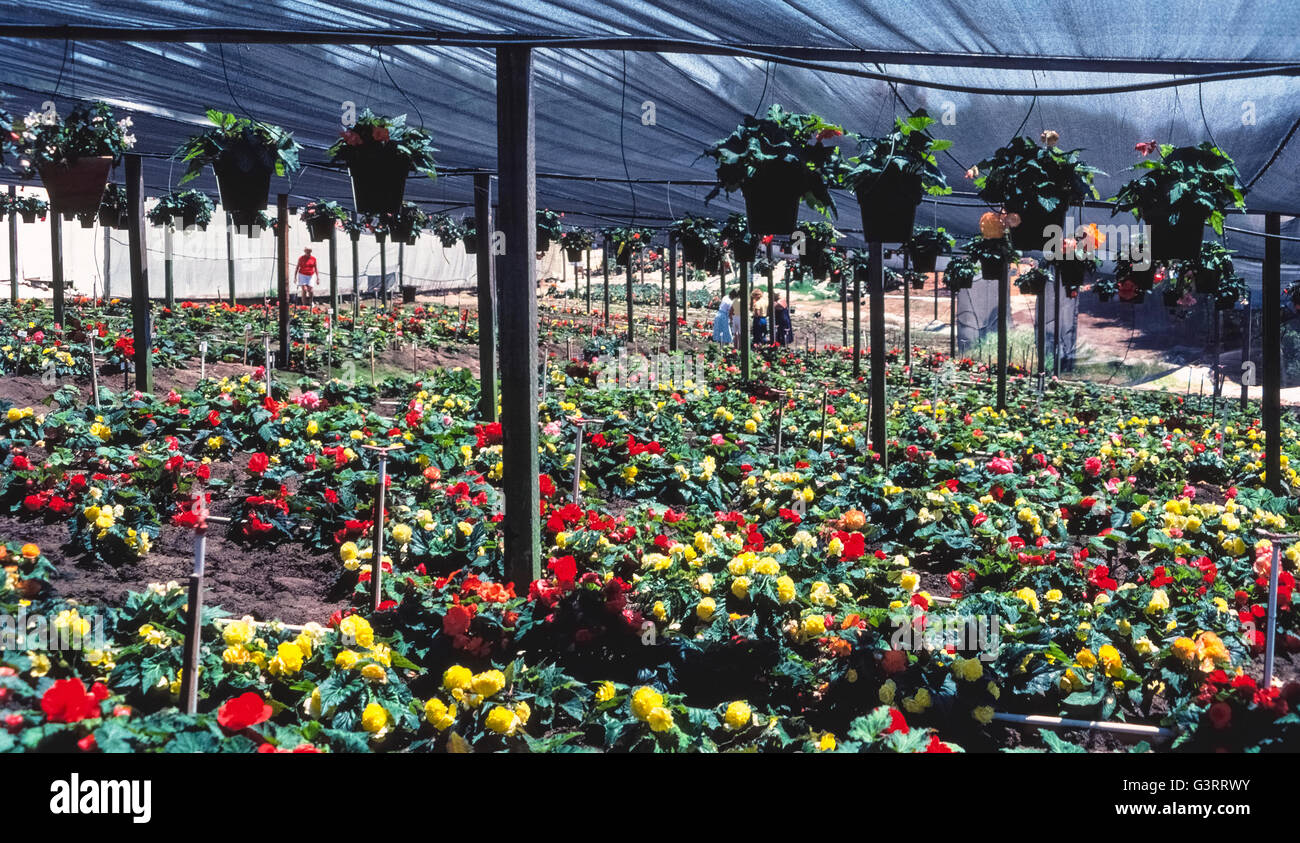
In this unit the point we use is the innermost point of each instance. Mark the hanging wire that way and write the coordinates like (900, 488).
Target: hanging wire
(622, 144)
(67, 45)
(384, 65)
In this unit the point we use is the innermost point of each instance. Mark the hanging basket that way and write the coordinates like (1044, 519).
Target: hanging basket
(1072, 273)
(1171, 297)
(888, 204)
(992, 268)
(923, 262)
(1029, 236)
(1205, 281)
(320, 228)
(408, 294)
(772, 197)
(918, 283)
(378, 181)
(1225, 304)
(1176, 242)
(108, 219)
(76, 188)
(243, 192)
(543, 242)
(573, 255)
(695, 252)
(87, 220)
(471, 244)
(28, 216)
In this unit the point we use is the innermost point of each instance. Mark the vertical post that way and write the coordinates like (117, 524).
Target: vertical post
(577, 461)
(844, 305)
(382, 295)
(516, 163)
(230, 256)
(672, 291)
(1056, 324)
(1272, 353)
(56, 262)
(1040, 334)
(1004, 306)
(487, 344)
(140, 328)
(108, 275)
(907, 319)
(1270, 640)
(1247, 326)
(857, 320)
(588, 256)
(952, 323)
(628, 270)
(377, 540)
(13, 247)
(356, 274)
(771, 296)
(169, 282)
(334, 273)
(745, 269)
(282, 272)
(604, 268)
(194, 624)
(401, 264)
(876, 278)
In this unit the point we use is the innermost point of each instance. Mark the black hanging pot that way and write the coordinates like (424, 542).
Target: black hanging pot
(1205, 280)
(243, 192)
(108, 219)
(1177, 242)
(888, 204)
(471, 244)
(918, 283)
(1029, 236)
(1072, 272)
(543, 242)
(1222, 304)
(574, 255)
(189, 219)
(815, 259)
(712, 264)
(695, 252)
(772, 197)
(28, 216)
(1033, 288)
(1105, 296)
(1171, 297)
(923, 262)
(319, 228)
(955, 284)
(408, 294)
(378, 180)
(76, 188)
(992, 268)
(86, 220)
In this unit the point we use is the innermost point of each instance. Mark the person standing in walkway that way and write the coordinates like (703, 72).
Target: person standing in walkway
(758, 330)
(722, 322)
(307, 276)
(784, 330)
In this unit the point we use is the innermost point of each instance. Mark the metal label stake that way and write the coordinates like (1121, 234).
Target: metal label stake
(377, 539)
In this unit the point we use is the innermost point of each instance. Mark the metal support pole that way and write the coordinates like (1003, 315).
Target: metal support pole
(140, 318)
(745, 363)
(876, 273)
(628, 270)
(857, 322)
(844, 306)
(356, 275)
(771, 296)
(13, 247)
(487, 345)
(194, 625)
(1056, 324)
(1004, 308)
(382, 296)
(377, 534)
(588, 256)
(907, 319)
(56, 263)
(516, 164)
(1270, 641)
(334, 274)
(230, 256)
(1040, 332)
(169, 282)
(672, 292)
(604, 268)
(1247, 325)
(1272, 353)
(282, 271)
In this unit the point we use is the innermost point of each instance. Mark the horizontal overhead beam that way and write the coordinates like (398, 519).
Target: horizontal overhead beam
(830, 55)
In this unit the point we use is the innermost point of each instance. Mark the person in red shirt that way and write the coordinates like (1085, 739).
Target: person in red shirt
(307, 276)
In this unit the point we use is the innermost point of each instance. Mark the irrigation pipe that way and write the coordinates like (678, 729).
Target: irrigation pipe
(1136, 729)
